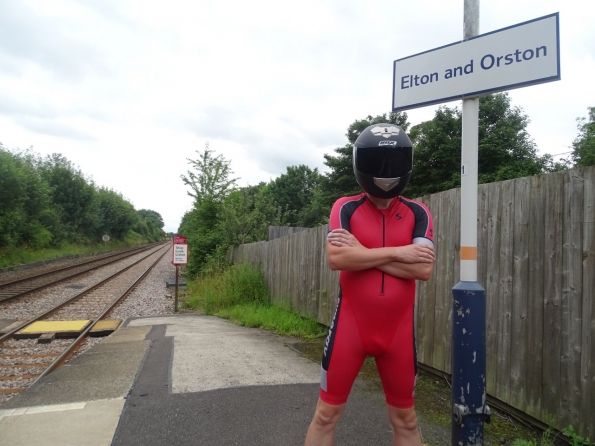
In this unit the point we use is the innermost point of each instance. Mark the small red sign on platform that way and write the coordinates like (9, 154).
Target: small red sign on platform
(179, 240)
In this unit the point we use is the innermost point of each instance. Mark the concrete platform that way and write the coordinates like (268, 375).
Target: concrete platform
(185, 380)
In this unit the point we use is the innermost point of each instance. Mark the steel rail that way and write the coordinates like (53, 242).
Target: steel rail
(64, 268)
(67, 354)
(5, 299)
(49, 312)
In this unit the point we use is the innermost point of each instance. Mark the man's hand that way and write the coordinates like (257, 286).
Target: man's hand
(418, 253)
(342, 237)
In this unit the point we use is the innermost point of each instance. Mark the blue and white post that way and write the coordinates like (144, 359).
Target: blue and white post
(469, 408)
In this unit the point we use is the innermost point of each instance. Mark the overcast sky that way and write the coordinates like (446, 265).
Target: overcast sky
(129, 89)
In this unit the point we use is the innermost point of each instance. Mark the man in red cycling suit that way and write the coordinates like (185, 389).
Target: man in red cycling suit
(381, 243)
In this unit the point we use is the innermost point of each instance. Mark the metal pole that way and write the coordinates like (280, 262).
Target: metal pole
(176, 298)
(469, 408)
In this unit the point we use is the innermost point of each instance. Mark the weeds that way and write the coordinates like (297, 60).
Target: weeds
(548, 439)
(545, 440)
(520, 442)
(576, 439)
(239, 293)
(236, 285)
(273, 318)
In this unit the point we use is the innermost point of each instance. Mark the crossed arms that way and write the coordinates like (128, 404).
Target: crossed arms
(345, 252)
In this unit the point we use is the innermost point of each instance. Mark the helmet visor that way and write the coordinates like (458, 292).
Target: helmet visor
(384, 162)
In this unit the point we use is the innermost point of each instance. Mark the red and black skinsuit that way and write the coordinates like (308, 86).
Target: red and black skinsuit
(374, 315)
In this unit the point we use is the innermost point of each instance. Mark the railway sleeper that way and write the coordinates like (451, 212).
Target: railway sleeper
(12, 390)
(46, 338)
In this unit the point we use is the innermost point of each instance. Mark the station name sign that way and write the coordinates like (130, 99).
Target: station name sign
(520, 55)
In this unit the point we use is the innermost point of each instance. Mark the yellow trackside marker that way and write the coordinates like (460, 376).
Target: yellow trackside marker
(54, 327)
(468, 253)
(106, 324)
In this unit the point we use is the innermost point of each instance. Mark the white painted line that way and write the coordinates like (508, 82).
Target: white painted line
(41, 409)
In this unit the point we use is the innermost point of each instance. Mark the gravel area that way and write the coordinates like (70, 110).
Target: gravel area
(150, 298)
(11, 273)
(147, 299)
(92, 304)
(36, 303)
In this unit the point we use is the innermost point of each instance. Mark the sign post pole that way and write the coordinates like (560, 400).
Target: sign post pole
(469, 408)
(179, 257)
(176, 298)
(514, 57)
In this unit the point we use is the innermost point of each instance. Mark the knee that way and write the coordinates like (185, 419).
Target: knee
(404, 420)
(327, 416)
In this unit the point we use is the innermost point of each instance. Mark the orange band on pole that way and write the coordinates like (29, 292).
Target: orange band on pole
(468, 253)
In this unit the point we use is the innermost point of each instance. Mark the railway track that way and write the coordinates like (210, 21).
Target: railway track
(29, 283)
(25, 360)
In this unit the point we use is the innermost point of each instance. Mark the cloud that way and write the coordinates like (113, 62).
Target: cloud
(111, 10)
(53, 128)
(47, 41)
(271, 143)
(11, 106)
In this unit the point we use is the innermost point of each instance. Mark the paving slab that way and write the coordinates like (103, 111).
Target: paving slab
(211, 353)
(90, 424)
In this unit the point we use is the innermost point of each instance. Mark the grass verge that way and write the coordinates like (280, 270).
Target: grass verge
(239, 293)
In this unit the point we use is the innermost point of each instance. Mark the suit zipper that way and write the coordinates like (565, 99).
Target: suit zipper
(383, 244)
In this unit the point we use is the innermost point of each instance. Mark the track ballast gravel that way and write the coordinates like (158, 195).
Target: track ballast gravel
(149, 298)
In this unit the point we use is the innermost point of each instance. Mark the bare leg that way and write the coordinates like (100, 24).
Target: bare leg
(405, 428)
(322, 429)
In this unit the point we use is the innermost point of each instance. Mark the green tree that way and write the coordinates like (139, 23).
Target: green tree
(437, 153)
(45, 201)
(152, 216)
(292, 192)
(505, 148)
(117, 215)
(202, 230)
(210, 183)
(211, 177)
(26, 216)
(150, 224)
(74, 198)
(583, 146)
(246, 215)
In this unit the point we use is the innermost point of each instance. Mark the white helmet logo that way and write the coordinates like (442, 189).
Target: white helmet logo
(385, 131)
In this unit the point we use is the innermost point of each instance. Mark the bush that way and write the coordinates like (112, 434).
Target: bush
(238, 284)
(239, 293)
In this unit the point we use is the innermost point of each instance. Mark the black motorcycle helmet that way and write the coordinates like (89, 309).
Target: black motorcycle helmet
(383, 160)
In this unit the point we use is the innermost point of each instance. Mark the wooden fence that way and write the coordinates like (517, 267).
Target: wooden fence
(282, 231)
(536, 261)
